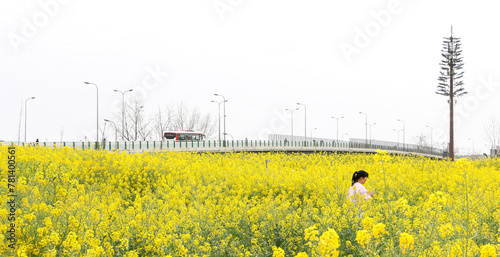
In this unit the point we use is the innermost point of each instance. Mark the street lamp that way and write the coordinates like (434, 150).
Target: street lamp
(218, 114)
(366, 127)
(116, 129)
(371, 132)
(404, 134)
(291, 114)
(431, 135)
(397, 130)
(137, 119)
(26, 115)
(312, 132)
(472, 145)
(344, 135)
(123, 110)
(338, 126)
(305, 121)
(97, 132)
(232, 138)
(224, 114)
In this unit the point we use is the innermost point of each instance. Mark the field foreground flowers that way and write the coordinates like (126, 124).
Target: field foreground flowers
(99, 203)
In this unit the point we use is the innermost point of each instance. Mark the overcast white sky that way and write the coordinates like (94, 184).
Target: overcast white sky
(338, 57)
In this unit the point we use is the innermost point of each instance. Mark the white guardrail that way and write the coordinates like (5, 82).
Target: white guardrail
(234, 145)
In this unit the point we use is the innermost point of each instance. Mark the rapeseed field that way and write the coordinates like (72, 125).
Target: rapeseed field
(99, 203)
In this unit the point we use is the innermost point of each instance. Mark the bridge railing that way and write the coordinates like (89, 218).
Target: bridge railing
(240, 144)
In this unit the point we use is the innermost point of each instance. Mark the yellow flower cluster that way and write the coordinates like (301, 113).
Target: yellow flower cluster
(406, 242)
(328, 243)
(98, 203)
(363, 237)
(488, 251)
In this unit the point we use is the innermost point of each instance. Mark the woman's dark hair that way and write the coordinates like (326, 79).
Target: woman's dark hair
(357, 175)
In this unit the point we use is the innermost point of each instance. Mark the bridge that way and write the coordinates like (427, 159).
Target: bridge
(216, 146)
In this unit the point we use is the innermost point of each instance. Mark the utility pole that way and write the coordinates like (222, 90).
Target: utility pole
(450, 83)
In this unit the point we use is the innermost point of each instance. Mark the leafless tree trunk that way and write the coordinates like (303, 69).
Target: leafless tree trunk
(163, 121)
(180, 117)
(207, 125)
(492, 131)
(186, 119)
(421, 142)
(194, 119)
(137, 126)
(135, 118)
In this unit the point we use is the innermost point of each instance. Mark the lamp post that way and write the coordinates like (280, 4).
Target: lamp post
(472, 145)
(224, 114)
(397, 130)
(137, 119)
(338, 126)
(26, 115)
(305, 120)
(218, 115)
(116, 129)
(123, 110)
(232, 138)
(312, 132)
(97, 120)
(431, 136)
(344, 135)
(291, 114)
(371, 132)
(404, 134)
(366, 127)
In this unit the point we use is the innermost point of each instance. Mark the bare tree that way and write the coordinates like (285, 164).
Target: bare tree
(450, 83)
(182, 118)
(135, 118)
(421, 142)
(492, 131)
(163, 121)
(207, 125)
(193, 119)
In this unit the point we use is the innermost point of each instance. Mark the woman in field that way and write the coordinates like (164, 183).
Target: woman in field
(357, 190)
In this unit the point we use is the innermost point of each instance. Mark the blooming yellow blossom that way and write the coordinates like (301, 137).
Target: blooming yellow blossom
(363, 237)
(328, 243)
(488, 251)
(378, 230)
(278, 252)
(101, 203)
(406, 242)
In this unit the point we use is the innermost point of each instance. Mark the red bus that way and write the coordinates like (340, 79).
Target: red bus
(183, 136)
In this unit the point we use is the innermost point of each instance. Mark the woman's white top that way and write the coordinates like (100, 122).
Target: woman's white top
(358, 189)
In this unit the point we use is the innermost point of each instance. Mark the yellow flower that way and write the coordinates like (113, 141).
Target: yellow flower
(378, 230)
(488, 251)
(54, 238)
(406, 242)
(363, 237)
(47, 222)
(328, 243)
(103, 203)
(445, 230)
(71, 243)
(311, 235)
(278, 252)
(368, 223)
